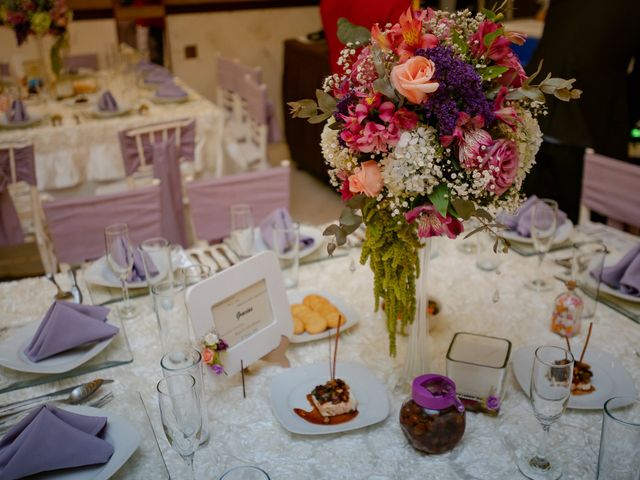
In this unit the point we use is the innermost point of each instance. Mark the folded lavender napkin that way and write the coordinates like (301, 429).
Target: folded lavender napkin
(170, 90)
(157, 75)
(624, 275)
(66, 326)
(138, 273)
(107, 103)
(280, 219)
(50, 438)
(17, 112)
(521, 220)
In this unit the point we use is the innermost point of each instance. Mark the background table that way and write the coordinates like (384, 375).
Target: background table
(244, 431)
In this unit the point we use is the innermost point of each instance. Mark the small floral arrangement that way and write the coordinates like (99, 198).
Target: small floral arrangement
(432, 121)
(212, 348)
(38, 17)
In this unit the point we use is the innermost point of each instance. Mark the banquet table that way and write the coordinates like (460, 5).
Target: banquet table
(245, 431)
(84, 148)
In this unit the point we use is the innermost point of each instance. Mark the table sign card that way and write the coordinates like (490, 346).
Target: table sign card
(247, 306)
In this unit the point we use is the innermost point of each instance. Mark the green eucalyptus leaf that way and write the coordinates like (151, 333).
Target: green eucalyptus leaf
(350, 33)
(319, 118)
(325, 101)
(349, 229)
(475, 230)
(383, 85)
(336, 125)
(349, 217)
(331, 230)
(303, 108)
(331, 247)
(357, 201)
(464, 208)
(440, 198)
(341, 237)
(533, 93)
(482, 213)
(534, 74)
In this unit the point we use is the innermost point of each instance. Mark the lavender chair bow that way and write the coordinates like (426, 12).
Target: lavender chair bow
(17, 163)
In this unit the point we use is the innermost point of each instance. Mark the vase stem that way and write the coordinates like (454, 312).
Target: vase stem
(418, 360)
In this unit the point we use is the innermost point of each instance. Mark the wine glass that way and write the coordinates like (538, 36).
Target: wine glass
(120, 259)
(181, 415)
(544, 223)
(550, 390)
(242, 229)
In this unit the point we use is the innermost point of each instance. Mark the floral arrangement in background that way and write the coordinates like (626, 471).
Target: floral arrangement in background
(39, 18)
(432, 121)
(212, 347)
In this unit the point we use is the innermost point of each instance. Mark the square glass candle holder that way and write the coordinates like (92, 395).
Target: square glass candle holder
(478, 364)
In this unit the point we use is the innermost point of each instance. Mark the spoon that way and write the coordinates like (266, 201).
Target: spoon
(75, 289)
(61, 295)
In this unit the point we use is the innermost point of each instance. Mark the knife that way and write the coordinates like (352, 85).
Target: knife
(57, 393)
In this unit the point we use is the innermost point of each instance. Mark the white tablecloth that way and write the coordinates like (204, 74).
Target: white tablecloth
(72, 154)
(246, 432)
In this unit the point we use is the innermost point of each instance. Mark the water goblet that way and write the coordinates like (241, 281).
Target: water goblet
(242, 234)
(120, 259)
(550, 390)
(544, 224)
(181, 415)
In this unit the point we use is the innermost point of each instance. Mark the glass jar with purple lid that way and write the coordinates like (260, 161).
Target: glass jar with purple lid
(433, 418)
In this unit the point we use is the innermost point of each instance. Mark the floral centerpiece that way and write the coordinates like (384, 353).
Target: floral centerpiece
(39, 18)
(212, 348)
(432, 121)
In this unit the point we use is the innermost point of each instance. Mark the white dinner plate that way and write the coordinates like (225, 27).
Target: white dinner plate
(99, 273)
(289, 390)
(305, 230)
(12, 353)
(33, 119)
(609, 376)
(562, 234)
(609, 261)
(163, 100)
(350, 316)
(119, 432)
(123, 109)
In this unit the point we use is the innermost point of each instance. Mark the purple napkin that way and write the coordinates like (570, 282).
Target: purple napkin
(17, 113)
(280, 219)
(170, 90)
(107, 103)
(624, 275)
(66, 326)
(50, 438)
(157, 75)
(137, 272)
(521, 220)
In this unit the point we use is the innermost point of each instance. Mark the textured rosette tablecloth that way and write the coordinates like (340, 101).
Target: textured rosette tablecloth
(246, 432)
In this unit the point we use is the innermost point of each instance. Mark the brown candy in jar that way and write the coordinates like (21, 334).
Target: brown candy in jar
(433, 419)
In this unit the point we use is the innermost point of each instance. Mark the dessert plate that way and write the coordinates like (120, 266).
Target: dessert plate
(351, 317)
(609, 261)
(289, 390)
(162, 100)
(119, 432)
(12, 353)
(562, 234)
(123, 109)
(609, 377)
(305, 230)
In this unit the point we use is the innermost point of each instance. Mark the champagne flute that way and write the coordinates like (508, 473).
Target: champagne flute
(242, 234)
(181, 415)
(544, 224)
(120, 259)
(550, 390)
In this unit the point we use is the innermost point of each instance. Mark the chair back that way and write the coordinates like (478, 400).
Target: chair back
(17, 164)
(230, 75)
(75, 62)
(136, 143)
(611, 188)
(77, 224)
(211, 199)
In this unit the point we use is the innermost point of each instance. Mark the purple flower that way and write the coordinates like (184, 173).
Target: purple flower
(217, 369)
(493, 402)
(222, 346)
(342, 107)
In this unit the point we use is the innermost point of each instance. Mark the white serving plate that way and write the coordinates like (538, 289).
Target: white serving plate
(609, 376)
(563, 233)
(351, 317)
(100, 273)
(289, 390)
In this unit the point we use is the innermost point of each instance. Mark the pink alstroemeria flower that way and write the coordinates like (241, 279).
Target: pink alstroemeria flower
(432, 224)
(506, 114)
(406, 36)
(471, 139)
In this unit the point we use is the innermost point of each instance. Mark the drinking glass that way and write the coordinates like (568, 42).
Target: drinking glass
(619, 457)
(195, 273)
(190, 364)
(468, 246)
(486, 258)
(173, 318)
(120, 259)
(158, 251)
(544, 223)
(245, 472)
(180, 412)
(242, 229)
(550, 390)
(588, 259)
(286, 244)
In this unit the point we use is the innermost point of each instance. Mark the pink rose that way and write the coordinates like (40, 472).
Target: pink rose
(367, 179)
(413, 79)
(207, 355)
(502, 160)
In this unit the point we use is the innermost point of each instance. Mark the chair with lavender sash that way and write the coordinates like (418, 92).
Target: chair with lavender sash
(611, 188)
(77, 224)
(211, 199)
(87, 61)
(230, 73)
(21, 217)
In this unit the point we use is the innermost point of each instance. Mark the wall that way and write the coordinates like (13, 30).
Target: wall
(255, 37)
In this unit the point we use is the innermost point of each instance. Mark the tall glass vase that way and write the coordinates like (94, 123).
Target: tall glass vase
(418, 356)
(44, 58)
